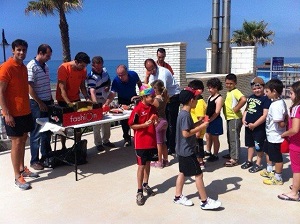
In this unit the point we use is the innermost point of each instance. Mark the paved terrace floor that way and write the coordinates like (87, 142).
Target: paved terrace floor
(105, 192)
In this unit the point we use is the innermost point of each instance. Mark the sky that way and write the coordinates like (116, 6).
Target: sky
(106, 27)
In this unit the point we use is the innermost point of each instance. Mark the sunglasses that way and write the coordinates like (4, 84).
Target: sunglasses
(253, 84)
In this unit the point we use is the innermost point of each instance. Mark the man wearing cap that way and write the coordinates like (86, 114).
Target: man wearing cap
(153, 73)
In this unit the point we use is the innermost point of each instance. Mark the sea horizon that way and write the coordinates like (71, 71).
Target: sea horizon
(192, 65)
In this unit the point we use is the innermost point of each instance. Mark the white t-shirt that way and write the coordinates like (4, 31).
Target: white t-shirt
(277, 112)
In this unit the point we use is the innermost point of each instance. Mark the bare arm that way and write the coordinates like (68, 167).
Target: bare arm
(93, 95)
(83, 91)
(139, 126)
(188, 133)
(62, 86)
(32, 93)
(219, 104)
(110, 98)
(294, 129)
(240, 104)
(147, 77)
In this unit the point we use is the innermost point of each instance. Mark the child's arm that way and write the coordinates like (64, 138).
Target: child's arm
(260, 120)
(294, 129)
(139, 126)
(189, 133)
(219, 104)
(240, 104)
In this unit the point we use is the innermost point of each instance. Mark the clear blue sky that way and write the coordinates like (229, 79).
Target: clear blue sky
(106, 27)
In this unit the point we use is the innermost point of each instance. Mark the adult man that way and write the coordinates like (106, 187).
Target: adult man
(125, 85)
(99, 89)
(153, 73)
(71, 78)
(14, 101)
(40, 97)
(161, 55)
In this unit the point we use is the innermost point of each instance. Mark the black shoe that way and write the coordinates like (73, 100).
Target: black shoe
(207, 154)
(100, 148)
(171, 152)
(213, 158)
(127, 143)
(109, 144)
(227, 156)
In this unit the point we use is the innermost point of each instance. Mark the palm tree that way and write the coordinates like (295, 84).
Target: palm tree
(48, 7)
(252, 34)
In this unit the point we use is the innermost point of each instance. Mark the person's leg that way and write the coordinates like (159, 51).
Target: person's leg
(45, 137)
(172, 109)
(146, 172)
(22, 150)
(179, 184)
(250, 154)
(97, 135)
(208, 142)
(140, 176)
(278, 168)
(125, 129)
(259, 158)
(16, 155)
(105, 129)
(35, 134)
(216, 143)
(296, 185)
(159, 153)
(235, 126)
(200, 187)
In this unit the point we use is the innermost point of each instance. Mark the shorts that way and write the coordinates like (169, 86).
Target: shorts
(189, 165)
(161, 130)
(215, 127)
(258, 136)
(145, 155)
(273, 150)
(295, 161)
(24, 124)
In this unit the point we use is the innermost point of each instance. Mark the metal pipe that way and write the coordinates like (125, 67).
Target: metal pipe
(225, 42)
(215, 36)
(4, 42)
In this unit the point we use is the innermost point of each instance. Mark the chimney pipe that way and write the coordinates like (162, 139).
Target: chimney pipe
(215, 36)
(225, 42)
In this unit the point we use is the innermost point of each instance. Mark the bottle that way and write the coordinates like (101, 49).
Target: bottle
(256, 146)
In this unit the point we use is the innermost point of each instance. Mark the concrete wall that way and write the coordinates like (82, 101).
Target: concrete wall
(242, 59)
(175, 56)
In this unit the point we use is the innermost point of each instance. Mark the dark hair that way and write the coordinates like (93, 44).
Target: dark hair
(82, 57)
(19, 42)
(231, 77)
(43, 48)
(214, 83)
(149, 60)
(296, 89)
(98, 60)
(274, 84)
(161, 50)
(196, 84)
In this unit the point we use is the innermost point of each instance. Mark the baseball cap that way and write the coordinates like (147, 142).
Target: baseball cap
(187, 94)
(146, 89)
(257, 81)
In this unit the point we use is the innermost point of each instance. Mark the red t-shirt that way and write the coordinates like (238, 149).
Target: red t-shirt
(16, 94)
(73, 79)
(144, 138)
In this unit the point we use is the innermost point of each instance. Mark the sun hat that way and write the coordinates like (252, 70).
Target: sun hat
(146, 89)
(257, 81)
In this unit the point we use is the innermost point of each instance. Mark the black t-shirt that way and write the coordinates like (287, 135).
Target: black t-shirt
(211, 106)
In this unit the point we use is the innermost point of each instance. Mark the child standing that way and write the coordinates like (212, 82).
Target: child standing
(185, 149)
(254, 120)
(275, 126)
(215, 126)
(294, 139)
(144, 140)
(160, 102)
(198, 114)
(234, 101)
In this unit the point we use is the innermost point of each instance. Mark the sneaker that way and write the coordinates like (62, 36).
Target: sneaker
(140, 200)
(22, 184)
(37, 166)
(207, 154)
(156, 164)
(166, 163)
(27, 173)
(273, 181)
(148, 191)
(210, 204)
(109, 144)
(100, 148)
(213, 158)
(265, 173)
(183, 201)
(202, 165)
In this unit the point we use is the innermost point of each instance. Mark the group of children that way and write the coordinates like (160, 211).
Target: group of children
(265, 119)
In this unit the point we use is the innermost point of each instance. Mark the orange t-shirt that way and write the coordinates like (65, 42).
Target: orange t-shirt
(72, 78)
(16, 94)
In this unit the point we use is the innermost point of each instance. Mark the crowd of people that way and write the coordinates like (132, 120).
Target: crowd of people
(160, 128)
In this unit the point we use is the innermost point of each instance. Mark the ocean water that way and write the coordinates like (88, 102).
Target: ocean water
(192, 65)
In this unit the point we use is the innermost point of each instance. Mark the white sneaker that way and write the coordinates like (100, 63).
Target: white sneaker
(183, 201)
(210, 204)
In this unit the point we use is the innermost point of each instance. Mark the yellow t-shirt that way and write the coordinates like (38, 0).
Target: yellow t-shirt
(199, 111)
(231, 100)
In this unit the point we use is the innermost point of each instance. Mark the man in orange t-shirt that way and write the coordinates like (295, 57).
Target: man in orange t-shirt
(161, 55)
(14, 101)
(71, 78)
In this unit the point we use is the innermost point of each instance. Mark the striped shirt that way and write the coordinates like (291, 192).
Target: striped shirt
(99, 82)
(39, 76)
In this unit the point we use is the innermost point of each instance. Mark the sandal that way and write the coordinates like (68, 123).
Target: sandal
(231, 163)
(246, 165)
(291, 187)
(255, 168)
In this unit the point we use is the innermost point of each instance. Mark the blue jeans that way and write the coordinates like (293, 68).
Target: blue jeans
(39, 139)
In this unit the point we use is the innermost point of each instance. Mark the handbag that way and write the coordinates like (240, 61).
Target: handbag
(284, 146)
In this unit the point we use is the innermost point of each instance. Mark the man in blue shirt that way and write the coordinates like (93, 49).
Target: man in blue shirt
(125, 85)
